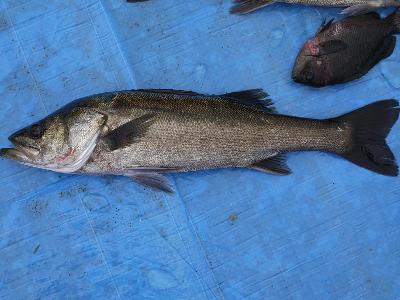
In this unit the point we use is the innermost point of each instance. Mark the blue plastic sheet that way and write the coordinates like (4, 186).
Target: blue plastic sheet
(329, 231)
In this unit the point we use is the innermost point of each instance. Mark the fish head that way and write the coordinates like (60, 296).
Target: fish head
(62, 142)
(312, 65)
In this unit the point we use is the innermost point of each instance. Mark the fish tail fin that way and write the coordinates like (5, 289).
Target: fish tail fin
(370, 126)
(394, 19)
(246, 6)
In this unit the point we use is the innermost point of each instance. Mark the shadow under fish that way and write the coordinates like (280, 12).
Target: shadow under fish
(346, 50)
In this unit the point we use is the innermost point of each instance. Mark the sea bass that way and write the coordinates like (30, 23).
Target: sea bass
(144, 134)
(346, 50)
(353, 7)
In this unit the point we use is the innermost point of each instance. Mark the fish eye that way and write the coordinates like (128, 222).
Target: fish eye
(308, 75)
(36, 131)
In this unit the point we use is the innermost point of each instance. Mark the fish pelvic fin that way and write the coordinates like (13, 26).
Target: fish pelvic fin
(370, 126)
(394, 19)
(246, 6)
(152, 180)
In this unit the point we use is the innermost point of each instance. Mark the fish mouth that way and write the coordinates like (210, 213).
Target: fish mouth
(20, 152)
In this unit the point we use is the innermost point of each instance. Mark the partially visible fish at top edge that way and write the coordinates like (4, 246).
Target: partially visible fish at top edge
(352, 7)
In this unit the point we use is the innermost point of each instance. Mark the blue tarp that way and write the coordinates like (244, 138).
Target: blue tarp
(329, 231)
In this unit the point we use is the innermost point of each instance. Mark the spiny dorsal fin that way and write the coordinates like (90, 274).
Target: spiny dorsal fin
(275, 165)
(129, 132)
(324, 26)
(256, 98)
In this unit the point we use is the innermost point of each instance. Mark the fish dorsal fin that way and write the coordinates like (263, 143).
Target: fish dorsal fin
(324, 26)
(360, 9)
(129, 132)
(152, 180)
(169, 91)
(331, 46)
(256, 98)
(275, 165)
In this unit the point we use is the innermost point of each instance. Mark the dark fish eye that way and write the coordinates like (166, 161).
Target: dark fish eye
(36, 131)
(308, 75)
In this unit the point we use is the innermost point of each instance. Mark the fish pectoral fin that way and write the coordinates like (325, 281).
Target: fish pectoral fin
(324, 26)
(275, 165)
(129, 132)
(359, 9)
(331, 46)
(152, 180)
(255, 98)
(247, 6)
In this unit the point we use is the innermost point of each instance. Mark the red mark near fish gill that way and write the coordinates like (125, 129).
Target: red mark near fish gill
(63, 157)
(312, 47)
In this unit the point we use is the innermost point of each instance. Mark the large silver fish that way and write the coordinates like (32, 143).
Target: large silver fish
(145, 133)
(353, 7)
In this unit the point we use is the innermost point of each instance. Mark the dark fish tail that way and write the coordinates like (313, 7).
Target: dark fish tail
(370, 126)
(247, 6)
(394, 19)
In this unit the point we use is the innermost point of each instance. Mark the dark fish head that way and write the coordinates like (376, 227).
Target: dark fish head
(311, 66)
(61, 142)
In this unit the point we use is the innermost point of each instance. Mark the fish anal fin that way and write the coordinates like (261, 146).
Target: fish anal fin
(388, 46)
(152, 180)
(384, 51)
(255, 98)
(275, 165)
(129, 132)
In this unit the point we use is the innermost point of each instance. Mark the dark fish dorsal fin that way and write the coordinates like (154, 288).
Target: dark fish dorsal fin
(275, 165)
(361, 9)
(169, 91)
(129, 132)
(324, 26)
(331, 46)
(256, 98)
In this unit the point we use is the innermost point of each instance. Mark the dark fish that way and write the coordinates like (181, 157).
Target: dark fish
(353, 7)
(346, 50)
(144, 134)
